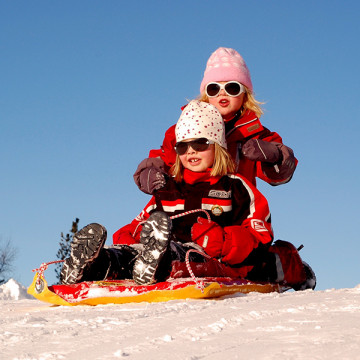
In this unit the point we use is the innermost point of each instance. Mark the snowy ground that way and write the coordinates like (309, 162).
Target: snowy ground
(294, 325)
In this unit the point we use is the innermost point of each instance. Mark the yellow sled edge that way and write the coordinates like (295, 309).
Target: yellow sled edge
(39, 289)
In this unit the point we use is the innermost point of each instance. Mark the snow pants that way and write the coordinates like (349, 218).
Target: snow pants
(117, 262)
(278, 263)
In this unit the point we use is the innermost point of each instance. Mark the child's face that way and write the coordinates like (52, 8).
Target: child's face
(228, 106)
(198, 160)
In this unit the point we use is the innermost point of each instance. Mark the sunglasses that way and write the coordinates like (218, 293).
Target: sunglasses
(201, 144)
(232, 88)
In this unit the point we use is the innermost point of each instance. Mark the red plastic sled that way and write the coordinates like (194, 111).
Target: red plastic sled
(126, 291)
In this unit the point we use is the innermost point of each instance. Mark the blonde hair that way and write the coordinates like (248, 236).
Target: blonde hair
(249, 103)
(223, 164)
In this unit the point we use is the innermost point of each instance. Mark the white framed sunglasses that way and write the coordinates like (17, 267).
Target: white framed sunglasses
(232, 88)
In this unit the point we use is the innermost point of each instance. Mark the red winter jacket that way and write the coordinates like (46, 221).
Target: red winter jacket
(232, 202)
(248, 126)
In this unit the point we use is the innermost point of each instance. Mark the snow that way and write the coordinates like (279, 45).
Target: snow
(293, 325)
(12, 290)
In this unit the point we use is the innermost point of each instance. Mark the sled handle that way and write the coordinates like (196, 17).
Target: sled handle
(40, 273)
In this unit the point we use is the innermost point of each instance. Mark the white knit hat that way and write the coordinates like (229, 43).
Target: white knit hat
(201, 120)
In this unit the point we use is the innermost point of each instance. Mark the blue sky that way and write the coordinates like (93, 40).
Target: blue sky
(87, 88)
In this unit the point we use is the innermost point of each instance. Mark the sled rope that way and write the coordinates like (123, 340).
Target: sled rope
(191, 212)
(175, 217)
(43, 267)
(200, 284)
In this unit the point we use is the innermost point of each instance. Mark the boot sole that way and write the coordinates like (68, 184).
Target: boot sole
(154, 236)
(85, 247)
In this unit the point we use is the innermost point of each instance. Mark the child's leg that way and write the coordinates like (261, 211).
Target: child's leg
(155, 237)
(264, 268)
(179, 250)
(310, 282)
(85, 247)
(201, 264)
(281, 263)
(90, 261)
(173, 262)
(113, 263)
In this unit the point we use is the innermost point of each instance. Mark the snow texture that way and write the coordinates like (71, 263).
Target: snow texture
(294, 325)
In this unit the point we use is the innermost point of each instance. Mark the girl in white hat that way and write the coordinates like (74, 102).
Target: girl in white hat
(203, 206)
(239, 233)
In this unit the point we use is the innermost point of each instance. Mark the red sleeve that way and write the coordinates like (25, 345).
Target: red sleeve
(279, 173)
(130, 233)
(167, 152)
(252, 223)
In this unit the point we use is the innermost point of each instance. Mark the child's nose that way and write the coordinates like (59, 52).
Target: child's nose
(222, 92)
(190, 150)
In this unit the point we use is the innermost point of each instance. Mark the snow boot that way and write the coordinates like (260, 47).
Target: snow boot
(85, 247)
(310, 281)
(155, 237)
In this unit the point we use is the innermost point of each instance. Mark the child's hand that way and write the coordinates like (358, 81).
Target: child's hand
(260, 150)
(238, 243)
(209, 235)
(151, 179)
(150, 175)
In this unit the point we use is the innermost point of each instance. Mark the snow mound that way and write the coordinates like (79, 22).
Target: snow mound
(12, 290)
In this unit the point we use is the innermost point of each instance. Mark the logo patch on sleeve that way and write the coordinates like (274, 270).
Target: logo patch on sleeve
(258, 225)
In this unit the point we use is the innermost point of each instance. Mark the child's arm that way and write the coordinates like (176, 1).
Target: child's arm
(157, 165)
(130, 233)
(251, 223)
(167, 152)
(275, 162)
(280, 172)
(150, 175)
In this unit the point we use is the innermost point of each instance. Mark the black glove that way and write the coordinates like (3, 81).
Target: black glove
(151, 179)
(260, 150)
(150, 175)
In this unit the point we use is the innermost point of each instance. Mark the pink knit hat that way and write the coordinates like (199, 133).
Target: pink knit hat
(226, 64)
(201, 120)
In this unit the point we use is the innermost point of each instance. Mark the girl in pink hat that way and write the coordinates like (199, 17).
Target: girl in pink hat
(257, 151)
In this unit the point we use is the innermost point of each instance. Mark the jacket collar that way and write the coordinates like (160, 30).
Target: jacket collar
(246, 125)
(192, 177)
